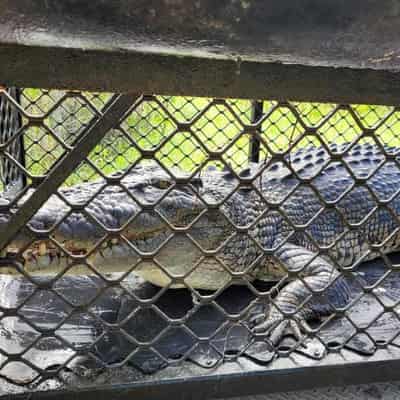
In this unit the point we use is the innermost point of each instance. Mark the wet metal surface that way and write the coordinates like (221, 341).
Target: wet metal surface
(219, 359)
(304, 50)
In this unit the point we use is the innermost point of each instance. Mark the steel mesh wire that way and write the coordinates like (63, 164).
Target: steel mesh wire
(184, 138)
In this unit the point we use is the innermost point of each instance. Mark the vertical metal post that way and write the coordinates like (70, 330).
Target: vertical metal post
(254, 151)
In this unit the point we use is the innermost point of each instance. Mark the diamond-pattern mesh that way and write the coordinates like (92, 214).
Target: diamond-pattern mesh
(170, 196)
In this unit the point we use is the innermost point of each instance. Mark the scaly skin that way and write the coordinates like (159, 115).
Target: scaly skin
(293, 231)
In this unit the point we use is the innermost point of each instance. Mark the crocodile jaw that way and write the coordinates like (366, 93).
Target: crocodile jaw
(211, 279)
(118, 260)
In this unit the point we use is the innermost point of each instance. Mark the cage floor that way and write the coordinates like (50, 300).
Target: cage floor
(377, 344)
(286, 375)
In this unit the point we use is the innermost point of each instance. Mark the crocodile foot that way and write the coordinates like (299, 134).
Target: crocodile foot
(276, 326)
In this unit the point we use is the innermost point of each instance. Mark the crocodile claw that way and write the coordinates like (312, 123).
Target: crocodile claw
(275, 327)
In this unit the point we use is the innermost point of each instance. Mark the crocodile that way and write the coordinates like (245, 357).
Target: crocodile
(304, 219)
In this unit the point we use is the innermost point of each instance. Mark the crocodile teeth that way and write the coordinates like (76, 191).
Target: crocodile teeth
(42, 249)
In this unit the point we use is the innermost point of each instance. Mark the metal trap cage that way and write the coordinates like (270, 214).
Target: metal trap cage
(204, 234)
(76, 302)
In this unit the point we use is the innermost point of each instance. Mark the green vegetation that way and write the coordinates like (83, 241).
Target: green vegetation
(210, 126)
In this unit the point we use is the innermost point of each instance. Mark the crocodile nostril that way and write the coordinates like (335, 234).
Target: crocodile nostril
(197, 182)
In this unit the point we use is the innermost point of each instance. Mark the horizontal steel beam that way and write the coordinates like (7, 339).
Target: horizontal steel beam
(174, 74)
(338, 372)
(344, 51)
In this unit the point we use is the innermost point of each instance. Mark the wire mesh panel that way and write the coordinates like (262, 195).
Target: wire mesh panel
(170, 246)
(9, 126)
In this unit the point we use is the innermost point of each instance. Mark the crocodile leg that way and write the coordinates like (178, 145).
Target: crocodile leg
(312, 273)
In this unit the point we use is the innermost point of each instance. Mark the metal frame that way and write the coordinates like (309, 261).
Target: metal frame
(224, 67)
(235, 383)
(197, 76)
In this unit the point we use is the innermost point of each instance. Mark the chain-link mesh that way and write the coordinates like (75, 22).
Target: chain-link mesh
(169, 244)
(10, 124)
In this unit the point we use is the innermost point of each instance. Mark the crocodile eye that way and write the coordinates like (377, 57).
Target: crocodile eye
(161, 183)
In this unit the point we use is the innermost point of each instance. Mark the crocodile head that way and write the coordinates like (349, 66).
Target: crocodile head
(147, 221)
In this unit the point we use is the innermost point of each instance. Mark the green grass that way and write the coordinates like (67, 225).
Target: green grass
(153, 126)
